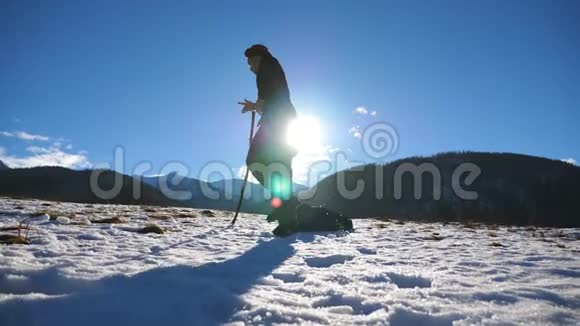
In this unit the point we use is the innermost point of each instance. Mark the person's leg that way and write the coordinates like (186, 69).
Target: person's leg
(286, 213)
(256, 160)
(270, 161)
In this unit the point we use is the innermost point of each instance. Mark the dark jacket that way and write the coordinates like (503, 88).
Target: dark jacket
(273, 89)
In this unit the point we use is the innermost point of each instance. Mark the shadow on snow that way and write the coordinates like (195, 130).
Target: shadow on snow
(206, 294)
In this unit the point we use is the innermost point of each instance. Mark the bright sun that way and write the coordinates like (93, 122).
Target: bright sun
(304, 133)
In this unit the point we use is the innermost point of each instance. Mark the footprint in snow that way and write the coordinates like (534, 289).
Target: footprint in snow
(347, 304)
(288, 277)
(322, 262)
(409, 281)
(400, 280)
(366, 251)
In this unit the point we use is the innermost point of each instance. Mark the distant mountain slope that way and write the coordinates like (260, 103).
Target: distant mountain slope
(3, 166)
(512, 189)
(62, 184)
(222, 194)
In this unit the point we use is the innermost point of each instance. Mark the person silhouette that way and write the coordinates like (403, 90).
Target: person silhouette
(270, 156)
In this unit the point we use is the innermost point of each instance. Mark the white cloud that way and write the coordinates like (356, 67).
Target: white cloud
(570, 161)
(38, 149)
(42, 156)
(24, 135)
(355, 132)
(373, 113)
(361, 110)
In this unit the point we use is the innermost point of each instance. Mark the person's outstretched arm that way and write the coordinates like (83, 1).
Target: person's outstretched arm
(251, 106)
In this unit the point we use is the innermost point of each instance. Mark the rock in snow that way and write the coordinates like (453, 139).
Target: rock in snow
(63, 220)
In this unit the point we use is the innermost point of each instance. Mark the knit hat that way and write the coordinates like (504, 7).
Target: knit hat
(256, 50)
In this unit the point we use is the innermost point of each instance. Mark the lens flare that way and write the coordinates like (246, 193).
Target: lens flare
(276, 202)
(280, 187)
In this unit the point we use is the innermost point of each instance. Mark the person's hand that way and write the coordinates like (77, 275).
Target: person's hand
(248, 106)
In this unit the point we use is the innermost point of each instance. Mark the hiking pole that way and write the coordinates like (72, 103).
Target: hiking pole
(247, 173)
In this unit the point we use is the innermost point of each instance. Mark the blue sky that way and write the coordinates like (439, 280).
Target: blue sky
(161, 79)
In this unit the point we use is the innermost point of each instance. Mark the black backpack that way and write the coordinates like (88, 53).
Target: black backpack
(320, 218)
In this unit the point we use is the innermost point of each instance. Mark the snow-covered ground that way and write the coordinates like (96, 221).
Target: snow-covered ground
(201, 272)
